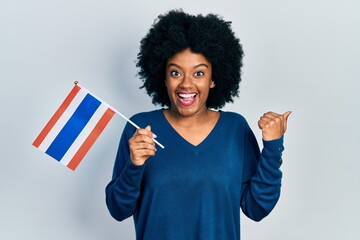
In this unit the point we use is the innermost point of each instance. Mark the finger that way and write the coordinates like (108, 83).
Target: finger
(141, 150)
(141, 138)
(142, 135)
(141, 142)
(139, 157)
(145, 131)
(143, 154)
(271, 119)
(148, 127)
(145, 145)
(286, 116)
(153, 135)
(262, 124)
(267, 118)
(273, 115)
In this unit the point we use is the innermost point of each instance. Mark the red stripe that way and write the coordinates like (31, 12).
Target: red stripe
(56, 116)
(85, 147)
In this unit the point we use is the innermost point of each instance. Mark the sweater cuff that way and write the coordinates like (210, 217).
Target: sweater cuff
(273, 151)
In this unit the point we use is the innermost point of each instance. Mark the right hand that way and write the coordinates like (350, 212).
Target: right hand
(142, 146)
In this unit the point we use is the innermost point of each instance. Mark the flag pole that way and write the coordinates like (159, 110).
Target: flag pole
(136, 126)
(121, 115)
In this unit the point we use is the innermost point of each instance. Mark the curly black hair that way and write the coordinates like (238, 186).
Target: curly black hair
(209, 35)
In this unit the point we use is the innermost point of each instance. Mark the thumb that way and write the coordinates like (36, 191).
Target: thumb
(148, 127)
(286, 116)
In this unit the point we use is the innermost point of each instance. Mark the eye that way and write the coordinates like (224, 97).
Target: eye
(174, 73)
(199, 74)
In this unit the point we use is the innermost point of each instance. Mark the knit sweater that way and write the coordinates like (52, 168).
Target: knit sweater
(195, 192)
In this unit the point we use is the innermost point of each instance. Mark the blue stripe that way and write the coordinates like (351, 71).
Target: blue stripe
(73, 127)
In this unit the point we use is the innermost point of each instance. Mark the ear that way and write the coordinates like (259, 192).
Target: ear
(212, 84)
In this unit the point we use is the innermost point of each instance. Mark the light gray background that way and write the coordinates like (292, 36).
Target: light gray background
(300, 55)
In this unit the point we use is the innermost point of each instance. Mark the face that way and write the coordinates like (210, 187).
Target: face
(188, 82)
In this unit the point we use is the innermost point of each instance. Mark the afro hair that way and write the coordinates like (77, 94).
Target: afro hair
(208, 35)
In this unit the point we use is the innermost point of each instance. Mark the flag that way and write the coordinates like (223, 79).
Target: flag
(74, 127)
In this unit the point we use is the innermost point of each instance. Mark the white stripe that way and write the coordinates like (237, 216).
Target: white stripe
(120, 114)
(62, 120)
(84, 134)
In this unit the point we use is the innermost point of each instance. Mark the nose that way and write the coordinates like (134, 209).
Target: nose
(186, 81)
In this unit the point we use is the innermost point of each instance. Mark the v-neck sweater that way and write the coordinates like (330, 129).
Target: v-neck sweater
(195, 192)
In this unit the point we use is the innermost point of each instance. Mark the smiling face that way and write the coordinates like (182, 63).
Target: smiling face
(188, 82)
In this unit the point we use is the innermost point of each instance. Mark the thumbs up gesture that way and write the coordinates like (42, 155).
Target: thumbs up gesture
(273, 125)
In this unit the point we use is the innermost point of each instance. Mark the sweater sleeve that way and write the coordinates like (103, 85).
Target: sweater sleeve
(123, 191)
(261, 176)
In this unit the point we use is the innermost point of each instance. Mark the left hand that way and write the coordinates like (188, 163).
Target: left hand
(273, 125)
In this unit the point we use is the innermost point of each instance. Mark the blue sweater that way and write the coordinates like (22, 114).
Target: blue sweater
(195, 192)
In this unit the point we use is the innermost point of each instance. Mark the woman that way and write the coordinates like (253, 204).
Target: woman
(211, 165)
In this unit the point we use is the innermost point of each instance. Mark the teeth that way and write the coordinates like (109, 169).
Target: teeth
(187, 95)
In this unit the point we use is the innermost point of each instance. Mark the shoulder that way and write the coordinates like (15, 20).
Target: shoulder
(233, 117)
(238, 125)
(234, 122)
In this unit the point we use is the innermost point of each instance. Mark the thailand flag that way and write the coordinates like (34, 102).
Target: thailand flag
(74, 127)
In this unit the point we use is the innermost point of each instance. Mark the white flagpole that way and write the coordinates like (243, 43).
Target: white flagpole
(119, 113)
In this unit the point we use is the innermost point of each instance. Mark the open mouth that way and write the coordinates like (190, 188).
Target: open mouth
(187, 99)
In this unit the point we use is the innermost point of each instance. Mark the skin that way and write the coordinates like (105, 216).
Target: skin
(188, 82)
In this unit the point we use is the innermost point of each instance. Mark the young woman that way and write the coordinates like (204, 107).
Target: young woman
(211, 165)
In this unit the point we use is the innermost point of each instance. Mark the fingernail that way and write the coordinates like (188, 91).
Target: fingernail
(154, 135)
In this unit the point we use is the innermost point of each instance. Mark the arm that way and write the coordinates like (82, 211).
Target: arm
(123, 191)
(262, 176)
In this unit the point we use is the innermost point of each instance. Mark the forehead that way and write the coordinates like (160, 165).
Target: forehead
(187, 58)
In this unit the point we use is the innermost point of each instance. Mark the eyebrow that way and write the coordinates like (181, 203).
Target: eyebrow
(196, 66)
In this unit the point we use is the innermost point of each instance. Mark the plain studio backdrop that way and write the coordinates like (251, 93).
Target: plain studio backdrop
(300, 55)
